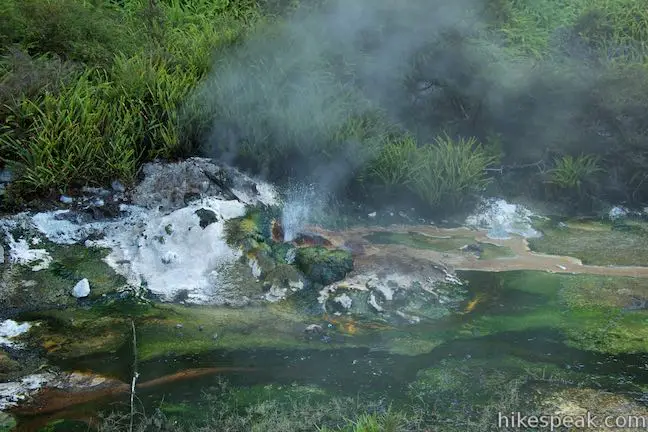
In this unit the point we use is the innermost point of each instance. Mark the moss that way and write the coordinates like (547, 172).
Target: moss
(53, 286)
(589, 311)
(324, 266)
(412, 345)
(76, 333)
(475, 382)
(283, 275)
(491, 251)
(253, 228)
(190, 330)
(595, 242)
(441, 244)
(7, 422)
(419, 241)
(7, 365)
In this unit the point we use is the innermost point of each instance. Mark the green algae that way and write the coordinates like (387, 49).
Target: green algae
(418, 240)
(8, 366)
(53, 285)
(491, 251)
(582, 307)
(191, 330)
(322, 265)
(440, 244)
(73, 333)
(7, 422)
(595, 242)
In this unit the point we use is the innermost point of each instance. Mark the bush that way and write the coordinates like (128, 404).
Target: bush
(575, 175)
(452, 171)
(24, 76)
(396, 166)
(73, 137)
(64, 129)
(72, 29)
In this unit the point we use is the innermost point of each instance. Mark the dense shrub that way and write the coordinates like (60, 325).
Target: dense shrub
(67, 123)
(573, 177)
(446, 173)
(72, 29)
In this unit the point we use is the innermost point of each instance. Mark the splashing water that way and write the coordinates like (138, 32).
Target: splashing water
(502, 219)
(300, 202)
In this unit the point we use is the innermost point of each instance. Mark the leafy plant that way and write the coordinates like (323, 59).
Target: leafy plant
(396, 165)
(451, 171)
(572, 173)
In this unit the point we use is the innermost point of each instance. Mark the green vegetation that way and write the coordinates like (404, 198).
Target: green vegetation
(441, 244)
(52, 286)
(575, 174)
(90, 90)
(595, 242)
(271, 408)
(323, 265)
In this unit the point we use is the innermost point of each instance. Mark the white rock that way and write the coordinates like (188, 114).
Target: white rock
(374, 304)
(372, 214)
(617, 212)
(169, 257)
(66, 199)
(9, 329)
(20, 253)
(81, 289)
(11, 393)
(344, 300)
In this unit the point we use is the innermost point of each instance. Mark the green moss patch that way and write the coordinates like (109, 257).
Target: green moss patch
(189, 330)
(594, 242)
(441, 244)
(53, 286)
(323, 265)
(591, 312)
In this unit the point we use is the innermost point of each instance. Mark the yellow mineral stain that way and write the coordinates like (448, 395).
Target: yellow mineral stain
(472, 304)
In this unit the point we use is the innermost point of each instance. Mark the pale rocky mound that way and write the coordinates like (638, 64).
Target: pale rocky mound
(168, 237)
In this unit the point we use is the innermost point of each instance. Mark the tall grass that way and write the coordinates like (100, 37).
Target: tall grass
(615, 28)
(452, 171)
(124, 104)
(575, 174)
(446, 173)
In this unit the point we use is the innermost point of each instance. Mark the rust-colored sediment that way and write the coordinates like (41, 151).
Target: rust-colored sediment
(51, 400)
(524, 258)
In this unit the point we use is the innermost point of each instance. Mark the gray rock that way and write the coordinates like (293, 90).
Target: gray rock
(166, 186)
(117, 186)
(6, 176)
(81, 289)
(313, 328)
(617, 213)
(2, 255)
(206, 216)
(66, 199)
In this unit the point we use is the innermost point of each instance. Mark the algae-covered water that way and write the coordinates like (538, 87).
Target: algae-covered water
(547, 331)
(528, 328)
